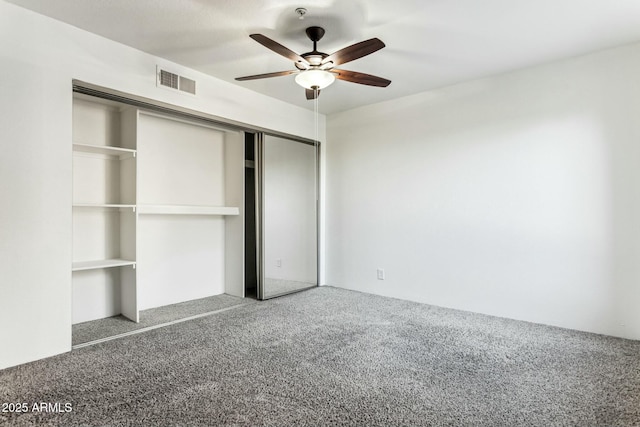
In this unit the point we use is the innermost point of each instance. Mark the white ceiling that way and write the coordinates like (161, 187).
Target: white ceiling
(430, 43)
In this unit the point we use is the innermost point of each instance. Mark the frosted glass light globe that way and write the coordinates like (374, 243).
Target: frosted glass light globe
(315, 78)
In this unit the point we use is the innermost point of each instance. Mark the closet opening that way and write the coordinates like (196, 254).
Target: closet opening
(250, 228)
(157, 217)
(236, 217)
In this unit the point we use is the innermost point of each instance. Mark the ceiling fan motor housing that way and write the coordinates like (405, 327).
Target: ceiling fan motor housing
(315, 33)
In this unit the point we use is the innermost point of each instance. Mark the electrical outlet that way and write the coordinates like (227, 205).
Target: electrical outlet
(381, 274)
(278, 262)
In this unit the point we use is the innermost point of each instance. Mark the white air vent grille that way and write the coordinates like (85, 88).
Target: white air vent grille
(187, 85)
(175, 81)
(169, 79)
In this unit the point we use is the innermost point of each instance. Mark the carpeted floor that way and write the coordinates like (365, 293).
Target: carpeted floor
(335, 357)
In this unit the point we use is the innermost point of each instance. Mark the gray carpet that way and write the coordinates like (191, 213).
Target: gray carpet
(103, 328)
(335, 357)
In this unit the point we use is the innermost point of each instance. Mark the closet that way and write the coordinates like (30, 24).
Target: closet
(158, 209)
(170, 206)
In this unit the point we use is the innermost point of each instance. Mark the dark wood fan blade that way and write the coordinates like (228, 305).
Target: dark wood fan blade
(312, 94)
(354, 51)
(278, 48)
(361, 78)
(266, 75)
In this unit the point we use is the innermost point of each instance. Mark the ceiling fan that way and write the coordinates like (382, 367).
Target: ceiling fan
(315, 70)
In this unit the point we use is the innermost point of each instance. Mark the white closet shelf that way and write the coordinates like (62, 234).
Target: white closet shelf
(102, 263)
(104, 205)
(188, 210)
(122, 153)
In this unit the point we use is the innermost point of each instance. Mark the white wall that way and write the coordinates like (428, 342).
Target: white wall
(516, 195)
(39, 58)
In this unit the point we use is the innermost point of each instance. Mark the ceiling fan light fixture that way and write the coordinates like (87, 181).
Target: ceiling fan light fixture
(315, 70)
(311, 79)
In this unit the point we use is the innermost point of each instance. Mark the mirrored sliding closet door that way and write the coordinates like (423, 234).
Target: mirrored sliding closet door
(288, 203)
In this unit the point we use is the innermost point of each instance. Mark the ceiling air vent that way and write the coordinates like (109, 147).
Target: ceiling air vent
(168, 79)
(175, 81)
(187, 85)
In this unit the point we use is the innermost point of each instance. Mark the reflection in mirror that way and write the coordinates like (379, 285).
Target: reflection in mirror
(289, 216)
